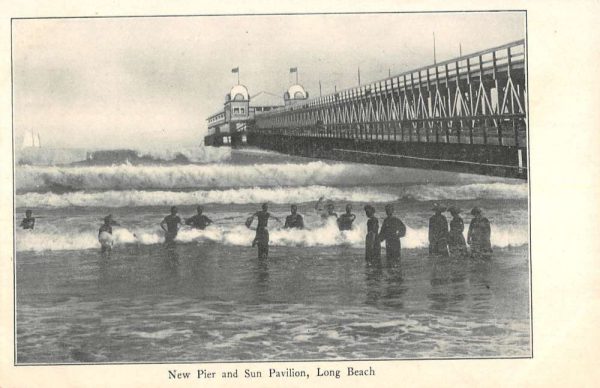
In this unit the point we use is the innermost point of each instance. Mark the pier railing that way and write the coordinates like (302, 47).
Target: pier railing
(478, 98)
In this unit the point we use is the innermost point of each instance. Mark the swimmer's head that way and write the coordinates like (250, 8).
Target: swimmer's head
(348, 208)
(389, 209)
(294, 209)
(369, 210)
(438, 208)
(199, 209)
(454, 210)
(265, 206)
(330, 206)
(174, 210)
(108, 219)
(28, 213)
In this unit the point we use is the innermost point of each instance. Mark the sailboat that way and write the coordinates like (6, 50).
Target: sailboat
(32, 140)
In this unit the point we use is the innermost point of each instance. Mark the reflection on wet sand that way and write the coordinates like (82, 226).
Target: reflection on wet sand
(261, 278)
(194, 302)
(384, 286)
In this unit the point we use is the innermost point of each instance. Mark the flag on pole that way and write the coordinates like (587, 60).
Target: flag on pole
(293, 69)
(235, 70)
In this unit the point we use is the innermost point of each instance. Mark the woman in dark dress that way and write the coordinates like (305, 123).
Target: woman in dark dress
(479, 235)
(456, 239)
(372, 243)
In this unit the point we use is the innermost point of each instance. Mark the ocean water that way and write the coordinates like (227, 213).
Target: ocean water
(208, 298)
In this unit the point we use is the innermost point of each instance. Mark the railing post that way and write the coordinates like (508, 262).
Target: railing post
(470, 96)
(483, 107)
(509, 73)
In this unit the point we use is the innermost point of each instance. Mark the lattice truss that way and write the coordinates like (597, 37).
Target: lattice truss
(487, 89)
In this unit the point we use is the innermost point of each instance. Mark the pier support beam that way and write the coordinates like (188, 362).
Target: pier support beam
(480, 159)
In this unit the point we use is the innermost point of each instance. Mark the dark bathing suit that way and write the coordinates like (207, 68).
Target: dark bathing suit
(199, 221)
(479, 238)
(391, 231)
(438, 233)
(372, 243)
(171, 222)
(262, 234)
(345, 221)
(456, 239)
(28, 223)
(294, 221)
(105, 228)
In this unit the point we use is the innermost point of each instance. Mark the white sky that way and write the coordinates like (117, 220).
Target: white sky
(115, 83)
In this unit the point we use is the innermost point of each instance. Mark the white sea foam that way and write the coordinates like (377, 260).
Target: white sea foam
(191, 154)
(325, 235)
(468, 191)
(219, 176)
(194, 176)
(130, 198)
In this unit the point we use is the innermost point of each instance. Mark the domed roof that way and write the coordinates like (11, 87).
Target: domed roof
(297, 92)
(239, 93)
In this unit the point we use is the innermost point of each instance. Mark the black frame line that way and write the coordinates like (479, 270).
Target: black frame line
(14, 253)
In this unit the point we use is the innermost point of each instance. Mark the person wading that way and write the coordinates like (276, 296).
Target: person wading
(199, 221)
(261, 240)
(438, 232)
(28, 222)
(329, 210)
(171, 224)
(479, 235)
(345, 220)
(456, 239)
(105, 233)
(372, 243)
(391, 231)
(294, 220)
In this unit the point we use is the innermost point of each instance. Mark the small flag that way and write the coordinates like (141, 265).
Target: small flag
(235, 70)
(293, 69)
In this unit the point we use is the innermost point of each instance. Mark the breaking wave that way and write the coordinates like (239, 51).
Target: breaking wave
(184, 155)
(49, 156)
(469, 191)
(220, 176)
(65, 156)
(327, 235)
(122, 177)
(130, 198)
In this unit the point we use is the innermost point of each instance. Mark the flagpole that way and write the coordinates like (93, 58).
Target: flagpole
(238, 73)
(359, 76)
(320, 92)
(434, 60)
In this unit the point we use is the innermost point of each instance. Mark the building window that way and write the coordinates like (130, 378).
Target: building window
(236, 110)
(242, 110)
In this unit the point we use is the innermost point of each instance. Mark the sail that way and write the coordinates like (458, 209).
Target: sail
(28, 139)
(31, 139)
